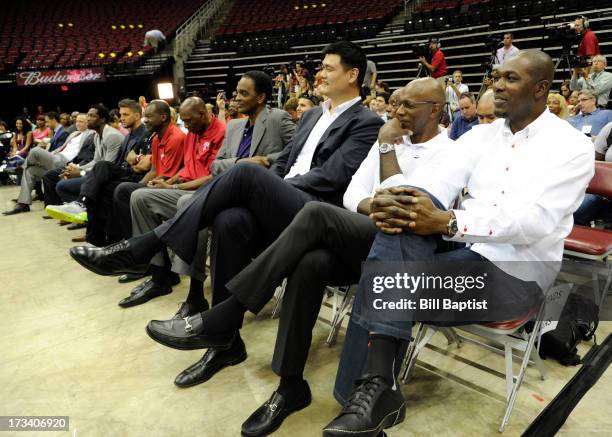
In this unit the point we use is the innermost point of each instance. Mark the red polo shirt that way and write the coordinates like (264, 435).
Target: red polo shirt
(439, 64)
(168, 153)
(201, 150)
(589, 46)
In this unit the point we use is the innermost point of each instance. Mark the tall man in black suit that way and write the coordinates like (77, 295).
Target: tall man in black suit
(249, 206)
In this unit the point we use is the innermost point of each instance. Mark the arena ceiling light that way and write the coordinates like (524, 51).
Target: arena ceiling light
(165, 90)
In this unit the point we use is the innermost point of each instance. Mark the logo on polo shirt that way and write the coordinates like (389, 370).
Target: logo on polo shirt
(205, 146)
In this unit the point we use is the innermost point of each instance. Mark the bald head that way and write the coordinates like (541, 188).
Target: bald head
(195, 115)
(427, 88)
(193, 104)
(539, 65)
(486, 108)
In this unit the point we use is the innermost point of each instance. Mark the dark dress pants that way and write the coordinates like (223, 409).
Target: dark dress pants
(247, 207)
(50, 181)
(323, 245)
(98, 190)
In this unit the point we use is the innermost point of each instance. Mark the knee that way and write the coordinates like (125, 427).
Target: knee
(137, 199)
(183, 200)
(233, 221)
(313, 265)
(311, 215)
(247, 170)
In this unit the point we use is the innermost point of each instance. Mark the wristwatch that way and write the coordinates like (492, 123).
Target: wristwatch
(451, 227)
(175, 186)
(82, 173)
(385, 148)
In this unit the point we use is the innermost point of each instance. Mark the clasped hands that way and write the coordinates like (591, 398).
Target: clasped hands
(404, 209)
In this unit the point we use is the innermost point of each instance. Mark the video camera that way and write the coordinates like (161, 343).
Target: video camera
(421, 49)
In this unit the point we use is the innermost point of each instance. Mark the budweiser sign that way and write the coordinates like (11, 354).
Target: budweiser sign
(56, 77)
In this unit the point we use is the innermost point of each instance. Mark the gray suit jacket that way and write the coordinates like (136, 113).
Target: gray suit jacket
(107, 147)
(272, 131)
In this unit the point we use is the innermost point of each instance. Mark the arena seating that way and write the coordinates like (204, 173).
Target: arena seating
(268, 25)
(74, 33)
(466, 46)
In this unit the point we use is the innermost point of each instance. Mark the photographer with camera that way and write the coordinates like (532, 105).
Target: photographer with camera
(599, 81)
(589, 44)
(454, 89)
(437, 68)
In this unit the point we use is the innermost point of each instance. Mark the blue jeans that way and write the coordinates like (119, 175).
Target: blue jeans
(68, 190)
(593, 207)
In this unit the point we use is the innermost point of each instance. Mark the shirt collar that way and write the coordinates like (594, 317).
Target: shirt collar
(532, 128)
(585, 114)
(340, 109)
(442, 136)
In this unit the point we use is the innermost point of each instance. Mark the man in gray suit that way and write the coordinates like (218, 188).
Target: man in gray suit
(257, 138)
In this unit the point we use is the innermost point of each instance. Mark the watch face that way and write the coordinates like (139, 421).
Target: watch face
(385, 148)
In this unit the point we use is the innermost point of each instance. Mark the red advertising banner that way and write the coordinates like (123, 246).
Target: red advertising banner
(56, 77)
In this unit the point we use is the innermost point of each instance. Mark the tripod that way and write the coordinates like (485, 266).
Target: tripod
(488, 69)
(422, 71)
(564, 60)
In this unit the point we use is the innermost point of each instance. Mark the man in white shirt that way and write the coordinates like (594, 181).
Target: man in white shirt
(40, 161)
(526, 174)
(508, 50)
(454, 89)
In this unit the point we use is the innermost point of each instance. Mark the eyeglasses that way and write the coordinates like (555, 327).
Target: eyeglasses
(586, 99)
(411, 104)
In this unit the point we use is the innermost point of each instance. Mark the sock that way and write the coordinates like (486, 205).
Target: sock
(382, 350)
(292, 387)
(145, 246)
(160, 275)
(224, 317)
(196, 293)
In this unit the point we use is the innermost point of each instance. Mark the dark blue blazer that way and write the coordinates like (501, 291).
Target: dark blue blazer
(58, 139)
(338, 155)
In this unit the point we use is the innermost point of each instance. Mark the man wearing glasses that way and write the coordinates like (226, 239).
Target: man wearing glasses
(599, 81)
(591, 119)
(325, 245)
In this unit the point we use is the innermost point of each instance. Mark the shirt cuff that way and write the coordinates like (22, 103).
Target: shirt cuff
(394, 181)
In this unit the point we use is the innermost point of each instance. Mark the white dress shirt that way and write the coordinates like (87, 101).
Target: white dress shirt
(304, 160)
(523, 187)
(72, 146)
(410, 157)
(504, 54)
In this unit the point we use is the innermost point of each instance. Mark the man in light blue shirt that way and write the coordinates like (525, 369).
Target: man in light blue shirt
(598, 81)
(591, 119)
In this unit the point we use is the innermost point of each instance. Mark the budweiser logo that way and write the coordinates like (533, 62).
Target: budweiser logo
(54, 77)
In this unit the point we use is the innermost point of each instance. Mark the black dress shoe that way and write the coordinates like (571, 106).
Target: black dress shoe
(115, 259)
(144, 293)
(269, 417)
(75, 226)
(19, 208)
(371, 407)
(212, 361)
(188, 309)
(186, 334)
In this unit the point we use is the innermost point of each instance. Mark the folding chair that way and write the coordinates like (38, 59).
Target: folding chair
(588, 249)
(509, 334)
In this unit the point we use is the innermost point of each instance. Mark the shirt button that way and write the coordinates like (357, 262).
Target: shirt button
(513, 146)
(490, 232)
(503, 192)
(507, 168)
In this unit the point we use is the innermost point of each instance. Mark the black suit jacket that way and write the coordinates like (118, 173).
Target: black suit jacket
(58, 141)
(339, 153)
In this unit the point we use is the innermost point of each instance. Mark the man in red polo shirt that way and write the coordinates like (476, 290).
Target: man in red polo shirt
(163, 197)
(437, 68)
(589, 45)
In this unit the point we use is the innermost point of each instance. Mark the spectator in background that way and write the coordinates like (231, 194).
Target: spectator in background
(229, 111)
(155, 38)
(379, 105)
(21, 141)
(305, 103)
(589, 45)
(143, 103)
(59, 133)
(393, 104)
(437, 68)
(508, 50)
(599, 81)
(38, 163)
(304, 87)
(591, 119)
(40, 111)
(462, 124)
(65, 121)
(454, 89)
(556, 105)
(115, 121)
(573, 107)
(291, 106)
(485, 110)
(382, 87)
(566, 91)
(369, 80)
(282, 83)
(41, 132)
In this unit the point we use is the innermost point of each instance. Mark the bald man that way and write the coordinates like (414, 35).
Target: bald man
(485, 110)
(526, 176)
(326, 244)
